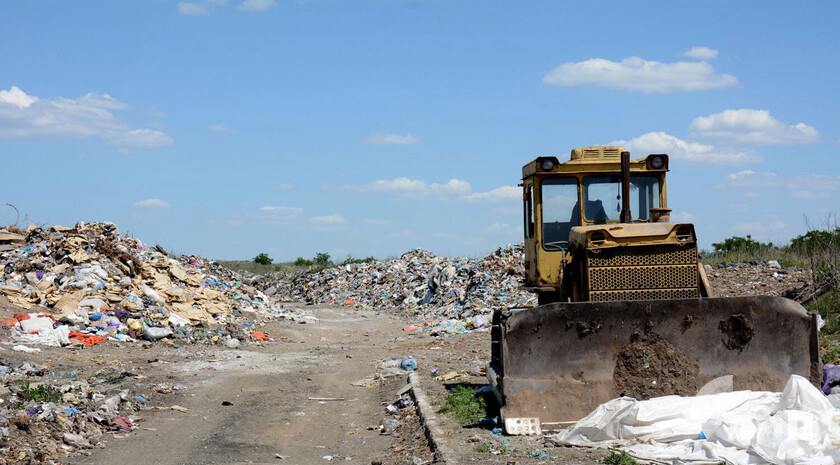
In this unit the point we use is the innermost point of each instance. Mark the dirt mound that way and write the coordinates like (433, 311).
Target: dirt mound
(652, 367)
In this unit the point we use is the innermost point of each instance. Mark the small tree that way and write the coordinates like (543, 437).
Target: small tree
(322, 259)
(815, 240)
(300, 261)
(263, 259)
(740, 244)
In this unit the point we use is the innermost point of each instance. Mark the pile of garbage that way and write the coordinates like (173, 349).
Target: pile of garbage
(88, 284)
(44, 415)
(459, 291)
(757, 277)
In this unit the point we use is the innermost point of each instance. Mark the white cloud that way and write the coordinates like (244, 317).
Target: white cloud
(328, 219)
(17, 97)
(92, 115)
(391, 139)
(752, 127)
(701, 53)
(257, 5)
(219, 127)
(401, 184)
(757, 228)
(453, 186)
(151, 203)
(679, 149)
(636, 74)
(503, 193)
(750, 179)
(803, 187)
(417, 187)
(192, 9)
(280, 213)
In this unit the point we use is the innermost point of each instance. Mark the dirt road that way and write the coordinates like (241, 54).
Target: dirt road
(272, 419)
(293, 401)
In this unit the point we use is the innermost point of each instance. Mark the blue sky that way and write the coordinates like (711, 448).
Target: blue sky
(227, 128)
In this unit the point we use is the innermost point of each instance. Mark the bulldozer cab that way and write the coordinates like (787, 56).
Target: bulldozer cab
(585, 190)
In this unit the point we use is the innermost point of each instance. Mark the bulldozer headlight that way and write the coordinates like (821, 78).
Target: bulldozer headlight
(657, 162)
(547, 165)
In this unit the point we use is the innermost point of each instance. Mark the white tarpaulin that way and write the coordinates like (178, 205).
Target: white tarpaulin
(798, 426)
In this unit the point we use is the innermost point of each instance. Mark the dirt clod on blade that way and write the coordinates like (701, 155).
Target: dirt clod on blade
(652, 367)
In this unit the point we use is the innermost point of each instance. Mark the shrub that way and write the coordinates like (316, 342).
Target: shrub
(814, 241)
(740, 244)
(263, 259)
(322, 260)
(351, 260)
(300, 261)
(822, 250)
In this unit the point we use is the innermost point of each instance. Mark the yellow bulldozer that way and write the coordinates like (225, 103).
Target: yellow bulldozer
(625, 307)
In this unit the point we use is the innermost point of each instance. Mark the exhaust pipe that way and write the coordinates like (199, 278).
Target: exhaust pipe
(626, 216)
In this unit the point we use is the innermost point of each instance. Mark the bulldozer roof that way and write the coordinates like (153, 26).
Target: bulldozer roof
(593, 159)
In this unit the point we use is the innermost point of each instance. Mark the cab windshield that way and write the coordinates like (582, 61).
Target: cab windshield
(602, 194)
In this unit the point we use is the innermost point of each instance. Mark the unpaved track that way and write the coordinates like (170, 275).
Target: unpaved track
(269, 388)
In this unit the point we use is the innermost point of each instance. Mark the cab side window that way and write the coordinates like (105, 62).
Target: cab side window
(528, 203)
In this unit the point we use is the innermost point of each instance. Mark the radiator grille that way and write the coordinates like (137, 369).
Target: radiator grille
(658, 294)
(643, 255)
(643, 277)
(642, 273)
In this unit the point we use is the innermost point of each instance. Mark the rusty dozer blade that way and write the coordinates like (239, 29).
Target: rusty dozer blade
(555, 363)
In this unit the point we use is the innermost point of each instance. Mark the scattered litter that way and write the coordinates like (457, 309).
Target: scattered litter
(27, 349)
(389, 425)
(176, 408)
(409, 364)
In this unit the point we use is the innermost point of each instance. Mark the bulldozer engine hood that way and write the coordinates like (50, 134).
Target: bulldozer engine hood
(620, 234)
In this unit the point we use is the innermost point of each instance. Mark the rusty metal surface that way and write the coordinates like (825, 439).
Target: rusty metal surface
(557, 362)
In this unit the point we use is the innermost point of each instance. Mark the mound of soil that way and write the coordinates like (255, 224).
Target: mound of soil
(652, 367)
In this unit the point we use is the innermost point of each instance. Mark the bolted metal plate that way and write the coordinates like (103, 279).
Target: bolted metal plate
(523, 426)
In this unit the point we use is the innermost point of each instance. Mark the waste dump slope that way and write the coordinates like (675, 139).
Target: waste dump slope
(417, 283)
(273, 391)
(102, 285)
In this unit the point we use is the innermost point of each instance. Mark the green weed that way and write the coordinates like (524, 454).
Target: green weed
(483, 448)
(464, 405)
(40, 393)
(620, 458)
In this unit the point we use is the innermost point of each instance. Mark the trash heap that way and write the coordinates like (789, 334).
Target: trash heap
(456, 293)
(758, 277)
(46, 415)
(88, 283)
